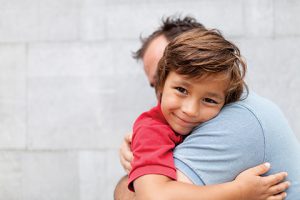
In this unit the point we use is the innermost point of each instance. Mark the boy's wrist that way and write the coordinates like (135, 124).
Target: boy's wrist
(238, 189)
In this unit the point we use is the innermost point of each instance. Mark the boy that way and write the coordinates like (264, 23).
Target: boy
(199, 73)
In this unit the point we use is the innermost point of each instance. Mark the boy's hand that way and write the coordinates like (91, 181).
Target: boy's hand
(126, 155)
(254, 187)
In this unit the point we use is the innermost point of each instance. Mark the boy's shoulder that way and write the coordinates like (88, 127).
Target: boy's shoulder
(151, 118)
(152, 124)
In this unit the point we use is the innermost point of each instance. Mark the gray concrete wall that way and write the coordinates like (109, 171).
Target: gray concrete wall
(69, 89)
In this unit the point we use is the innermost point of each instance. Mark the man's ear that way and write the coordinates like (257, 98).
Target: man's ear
(158, 92)
(158, 96)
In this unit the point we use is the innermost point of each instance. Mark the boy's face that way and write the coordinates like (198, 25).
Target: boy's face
(187, 102)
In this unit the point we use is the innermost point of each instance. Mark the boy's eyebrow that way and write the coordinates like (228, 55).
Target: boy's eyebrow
(183, 82)
(187, 83)
(215, 95)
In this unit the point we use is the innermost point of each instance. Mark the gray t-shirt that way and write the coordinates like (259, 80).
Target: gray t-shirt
(243, 135)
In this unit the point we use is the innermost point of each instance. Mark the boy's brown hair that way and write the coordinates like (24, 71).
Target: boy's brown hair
(199, 53)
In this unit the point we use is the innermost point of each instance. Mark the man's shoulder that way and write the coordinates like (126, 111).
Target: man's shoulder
(231, 142)
(253, 108)
(236, 120)
(235, 115)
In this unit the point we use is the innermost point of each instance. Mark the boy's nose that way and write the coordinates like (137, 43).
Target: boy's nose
(190, 108)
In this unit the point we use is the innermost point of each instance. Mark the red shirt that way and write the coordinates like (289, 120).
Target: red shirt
(152, 145)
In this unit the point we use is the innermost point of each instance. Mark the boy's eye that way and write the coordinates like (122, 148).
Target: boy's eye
(209, 100)
(181, 90)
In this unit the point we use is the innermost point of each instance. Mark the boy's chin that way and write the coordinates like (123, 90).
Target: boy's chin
(183, 132)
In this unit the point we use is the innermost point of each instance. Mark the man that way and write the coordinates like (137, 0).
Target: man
(243, 135)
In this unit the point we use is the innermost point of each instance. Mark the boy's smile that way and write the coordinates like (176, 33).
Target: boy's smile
(186, 102)
(180, 122)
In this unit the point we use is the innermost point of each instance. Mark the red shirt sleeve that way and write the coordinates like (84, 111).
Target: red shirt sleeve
(152, 146)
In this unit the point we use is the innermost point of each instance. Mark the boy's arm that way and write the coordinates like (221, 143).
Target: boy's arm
(158, 187)
(249, 185)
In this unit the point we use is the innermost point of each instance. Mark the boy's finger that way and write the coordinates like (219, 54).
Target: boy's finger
(260, 169)
(275, 178)
(278, 196)
(276, 189)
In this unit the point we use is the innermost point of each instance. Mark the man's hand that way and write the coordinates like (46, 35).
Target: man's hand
(125, 153)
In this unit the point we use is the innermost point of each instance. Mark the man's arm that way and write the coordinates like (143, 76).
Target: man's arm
(122, 192)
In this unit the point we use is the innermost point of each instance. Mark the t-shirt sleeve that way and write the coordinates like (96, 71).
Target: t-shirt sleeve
(152, 147)
(218, 150)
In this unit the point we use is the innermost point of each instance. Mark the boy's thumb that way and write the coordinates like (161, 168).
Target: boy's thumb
(260, 169)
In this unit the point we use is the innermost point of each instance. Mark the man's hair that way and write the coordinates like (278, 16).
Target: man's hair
(200, 53)
(171, 27)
